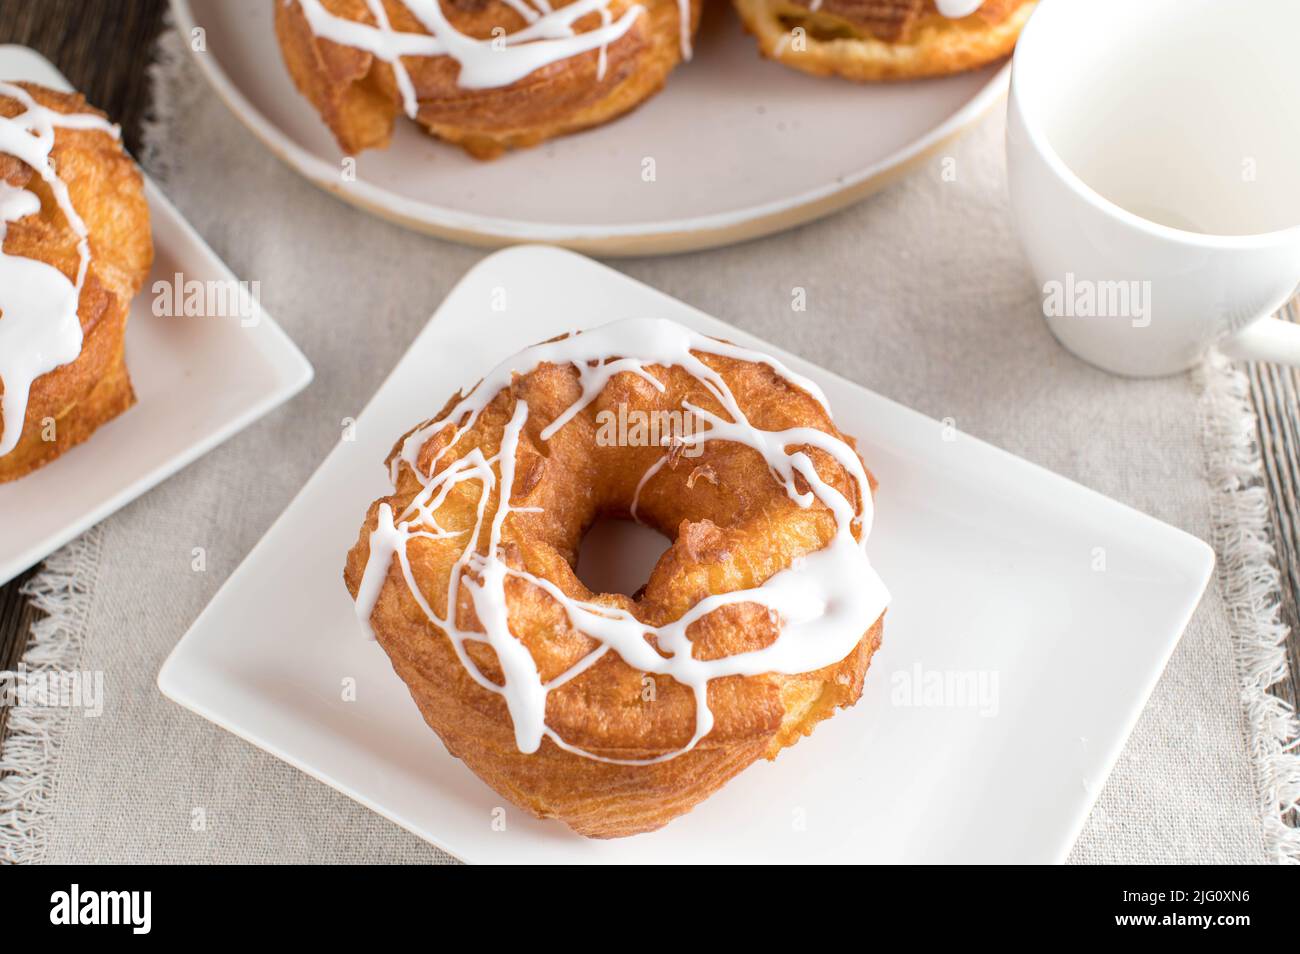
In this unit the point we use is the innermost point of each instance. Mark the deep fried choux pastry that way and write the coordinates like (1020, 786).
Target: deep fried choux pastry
(487, 75)
(74, 227)
(612, 713)
(869, 40)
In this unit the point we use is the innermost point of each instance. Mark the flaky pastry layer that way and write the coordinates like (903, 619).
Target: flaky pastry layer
(68, 404)
(357, 95)
(731, 527)
(874, 40)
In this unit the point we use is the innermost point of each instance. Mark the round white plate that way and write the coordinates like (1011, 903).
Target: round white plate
(741, 147)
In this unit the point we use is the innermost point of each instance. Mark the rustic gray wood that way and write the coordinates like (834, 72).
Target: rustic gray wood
(1276, 393)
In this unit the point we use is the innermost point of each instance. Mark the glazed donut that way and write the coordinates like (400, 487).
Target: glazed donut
(75, 247)
(487, 75)
(869, 40)
(614, 713)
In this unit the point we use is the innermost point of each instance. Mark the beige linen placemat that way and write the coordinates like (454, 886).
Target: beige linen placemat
(920, 294)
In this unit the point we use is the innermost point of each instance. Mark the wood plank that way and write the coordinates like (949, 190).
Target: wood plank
(103, 47)
(16, 618)
(1275, 391)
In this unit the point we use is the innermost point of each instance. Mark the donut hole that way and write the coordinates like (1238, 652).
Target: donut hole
(617, 555)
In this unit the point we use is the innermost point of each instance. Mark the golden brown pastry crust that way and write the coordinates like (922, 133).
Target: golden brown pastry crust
(357, 95)
(107, 191)
(732, 526)
(871, 40)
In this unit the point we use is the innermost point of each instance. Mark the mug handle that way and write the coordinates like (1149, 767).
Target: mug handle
(1269, 339)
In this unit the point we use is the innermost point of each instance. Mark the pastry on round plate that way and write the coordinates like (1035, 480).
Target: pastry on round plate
(487, 75)
(75, 246)
(614, 713)
(869, 40)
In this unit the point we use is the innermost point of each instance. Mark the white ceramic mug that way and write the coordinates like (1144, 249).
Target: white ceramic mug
(1153, 150)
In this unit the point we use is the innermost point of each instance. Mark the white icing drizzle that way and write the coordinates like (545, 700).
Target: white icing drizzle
(39, 328)
(602, 63)
(824, 602)
(953, 9)
(490, 63)
(956, 9)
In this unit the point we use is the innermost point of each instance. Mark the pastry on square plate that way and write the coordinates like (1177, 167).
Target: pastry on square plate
(613, 713)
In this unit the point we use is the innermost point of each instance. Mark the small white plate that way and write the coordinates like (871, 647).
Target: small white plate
(742, 146)
(197, 382)
(992, 563)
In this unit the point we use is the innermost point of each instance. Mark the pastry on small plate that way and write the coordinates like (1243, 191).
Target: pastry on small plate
(612, 713)
(487, 75)
(869, 40)
(75, 247)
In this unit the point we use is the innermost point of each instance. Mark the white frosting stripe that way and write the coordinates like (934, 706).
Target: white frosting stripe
(548, 37)
(956, 9)
(824, 602)
(953, 9)
(39, 327)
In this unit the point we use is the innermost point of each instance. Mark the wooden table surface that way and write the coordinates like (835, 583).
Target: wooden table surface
(104, 48)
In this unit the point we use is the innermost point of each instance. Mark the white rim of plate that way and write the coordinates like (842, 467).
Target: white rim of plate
(638, 238)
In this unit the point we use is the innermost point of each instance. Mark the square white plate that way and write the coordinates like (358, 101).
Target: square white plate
(989, 559)
(197, 382)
